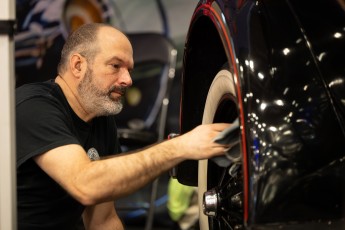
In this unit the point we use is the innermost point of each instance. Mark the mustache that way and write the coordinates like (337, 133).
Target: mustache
(117, 89)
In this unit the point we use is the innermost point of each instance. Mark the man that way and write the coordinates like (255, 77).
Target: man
(66, 127)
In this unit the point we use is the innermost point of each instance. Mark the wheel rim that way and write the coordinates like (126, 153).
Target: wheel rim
(220, 194)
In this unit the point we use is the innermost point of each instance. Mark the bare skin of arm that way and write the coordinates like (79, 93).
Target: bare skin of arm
(93, 182)
(102, 216)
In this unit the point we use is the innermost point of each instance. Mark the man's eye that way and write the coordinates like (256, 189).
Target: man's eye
(116, 66)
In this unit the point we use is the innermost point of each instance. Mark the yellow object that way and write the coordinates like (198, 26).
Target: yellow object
(179, 197)
(133, 96)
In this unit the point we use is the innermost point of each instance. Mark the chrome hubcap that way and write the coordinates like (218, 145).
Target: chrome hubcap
(210, 203)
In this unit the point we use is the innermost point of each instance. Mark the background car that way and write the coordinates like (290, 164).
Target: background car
(278, 67)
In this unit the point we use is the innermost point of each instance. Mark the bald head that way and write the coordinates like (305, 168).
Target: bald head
(84, 41)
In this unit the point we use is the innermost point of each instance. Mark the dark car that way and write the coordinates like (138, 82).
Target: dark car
(278, 68)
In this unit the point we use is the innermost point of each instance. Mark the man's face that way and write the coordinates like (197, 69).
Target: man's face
(97, 100)
(107, 75)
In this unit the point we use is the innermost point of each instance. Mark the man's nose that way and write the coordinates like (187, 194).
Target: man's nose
(126, 78)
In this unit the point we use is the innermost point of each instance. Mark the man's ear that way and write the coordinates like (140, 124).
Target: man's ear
(76, 64)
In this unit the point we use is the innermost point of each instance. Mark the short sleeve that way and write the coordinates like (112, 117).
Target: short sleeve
(41, 125)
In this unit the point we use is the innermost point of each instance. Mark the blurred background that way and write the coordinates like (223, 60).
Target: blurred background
(42, 27)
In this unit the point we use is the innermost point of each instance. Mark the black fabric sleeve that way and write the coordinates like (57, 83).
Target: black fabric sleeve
(41, 125)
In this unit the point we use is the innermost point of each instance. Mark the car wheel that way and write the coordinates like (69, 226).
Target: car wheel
(220, 189)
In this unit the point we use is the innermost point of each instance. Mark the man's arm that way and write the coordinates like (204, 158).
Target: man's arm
(92, 182)
(102, 216)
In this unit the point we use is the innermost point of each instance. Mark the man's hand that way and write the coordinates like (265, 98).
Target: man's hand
(199, 143)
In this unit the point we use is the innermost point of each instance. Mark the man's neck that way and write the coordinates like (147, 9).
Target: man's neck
(71, 95)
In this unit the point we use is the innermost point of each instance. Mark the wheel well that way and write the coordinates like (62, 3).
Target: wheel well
(204, 56)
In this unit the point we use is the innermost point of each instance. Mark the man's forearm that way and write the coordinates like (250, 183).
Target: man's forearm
(115, 177)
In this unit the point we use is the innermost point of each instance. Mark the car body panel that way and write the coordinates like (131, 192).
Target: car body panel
(288, 59)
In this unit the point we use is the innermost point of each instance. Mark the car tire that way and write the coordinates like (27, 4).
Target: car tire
(220, 106)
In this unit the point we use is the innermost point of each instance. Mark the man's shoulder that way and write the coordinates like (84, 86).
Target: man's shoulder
(47, 89)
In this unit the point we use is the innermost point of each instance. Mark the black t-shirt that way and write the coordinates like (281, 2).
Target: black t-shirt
(44, 121)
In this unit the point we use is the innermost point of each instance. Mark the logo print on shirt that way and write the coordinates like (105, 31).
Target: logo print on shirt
(93, 154)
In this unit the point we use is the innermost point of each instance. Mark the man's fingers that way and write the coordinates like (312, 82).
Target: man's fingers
(229, 135)
(219, 127)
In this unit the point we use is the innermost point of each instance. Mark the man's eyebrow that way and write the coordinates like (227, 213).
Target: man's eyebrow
(116, 58)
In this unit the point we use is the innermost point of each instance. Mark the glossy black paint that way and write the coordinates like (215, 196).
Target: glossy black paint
(290, 61)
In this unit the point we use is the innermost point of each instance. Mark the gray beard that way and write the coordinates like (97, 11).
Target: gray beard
(96, 101)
